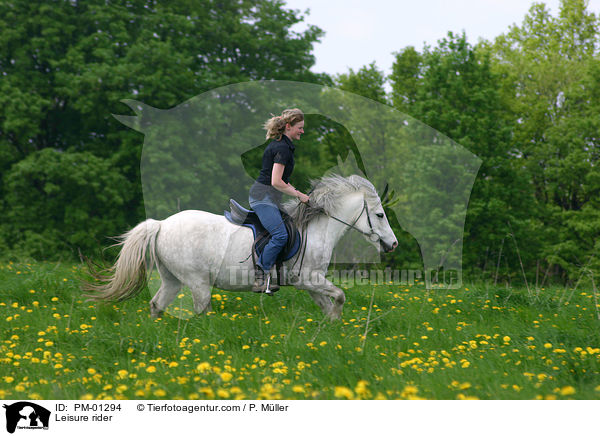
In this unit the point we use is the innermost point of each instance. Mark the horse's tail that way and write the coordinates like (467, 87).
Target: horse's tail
(127, 277)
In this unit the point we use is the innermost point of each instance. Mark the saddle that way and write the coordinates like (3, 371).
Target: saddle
(245, 217)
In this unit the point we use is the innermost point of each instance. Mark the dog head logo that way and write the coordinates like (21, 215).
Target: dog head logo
(26, 415)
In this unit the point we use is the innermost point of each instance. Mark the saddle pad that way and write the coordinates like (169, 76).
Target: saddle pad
(284, 255)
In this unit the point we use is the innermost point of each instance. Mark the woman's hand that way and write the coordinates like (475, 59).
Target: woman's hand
(302, 197)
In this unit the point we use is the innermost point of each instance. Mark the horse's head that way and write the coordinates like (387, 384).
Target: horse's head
(352, 201)
(367, 214)
(379, 226)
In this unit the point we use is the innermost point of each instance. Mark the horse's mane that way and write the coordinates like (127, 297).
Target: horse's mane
(325, 196)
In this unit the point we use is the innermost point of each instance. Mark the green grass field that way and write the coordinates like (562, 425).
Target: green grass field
(474, 342)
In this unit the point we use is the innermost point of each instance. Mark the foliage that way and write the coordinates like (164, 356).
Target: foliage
(549, 65)
(452, 89)
(57, 203)
(65, 66)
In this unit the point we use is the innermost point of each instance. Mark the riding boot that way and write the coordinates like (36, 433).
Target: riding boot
(262, 282)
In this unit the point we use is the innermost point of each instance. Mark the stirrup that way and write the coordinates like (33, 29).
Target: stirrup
(265, 287)
(270, 290)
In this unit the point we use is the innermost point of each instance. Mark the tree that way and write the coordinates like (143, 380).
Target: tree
(549, 67)
(57, 202)
(66, 66)
(452, 89)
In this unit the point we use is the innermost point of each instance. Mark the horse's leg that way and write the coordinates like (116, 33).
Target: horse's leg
(169, 289)
(201, 294)
(323, 301)
(317, 284)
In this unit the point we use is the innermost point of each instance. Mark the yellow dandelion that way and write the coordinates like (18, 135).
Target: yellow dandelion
(343, 392)
(202, 367)
(567, 390)
(121, 388)
(410, 390)
(466, 397)
(207, 391)
(361, 387)
(222, 393)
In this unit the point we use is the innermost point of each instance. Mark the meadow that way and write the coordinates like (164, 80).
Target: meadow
(394, 342)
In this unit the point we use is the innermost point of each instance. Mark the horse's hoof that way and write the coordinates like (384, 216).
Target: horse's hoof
(335, 317)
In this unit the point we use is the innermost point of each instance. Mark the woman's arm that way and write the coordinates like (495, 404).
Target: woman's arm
(286, 188)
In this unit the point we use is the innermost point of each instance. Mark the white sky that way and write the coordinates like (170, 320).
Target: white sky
(360, 32)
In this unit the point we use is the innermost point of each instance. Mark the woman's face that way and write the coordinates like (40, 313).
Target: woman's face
(294, 132)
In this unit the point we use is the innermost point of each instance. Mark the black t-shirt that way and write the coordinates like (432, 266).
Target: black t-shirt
(278, 151)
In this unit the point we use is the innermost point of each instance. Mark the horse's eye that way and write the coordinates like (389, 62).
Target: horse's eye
(379, 215)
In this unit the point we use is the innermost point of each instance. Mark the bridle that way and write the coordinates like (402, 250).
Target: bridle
(369, 234)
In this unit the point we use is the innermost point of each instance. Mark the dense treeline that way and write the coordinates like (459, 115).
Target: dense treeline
(527, 104)
(70, 171)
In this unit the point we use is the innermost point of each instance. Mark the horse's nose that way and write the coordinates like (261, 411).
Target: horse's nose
(389, 248)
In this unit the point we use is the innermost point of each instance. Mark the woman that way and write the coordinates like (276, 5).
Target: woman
(272, 182)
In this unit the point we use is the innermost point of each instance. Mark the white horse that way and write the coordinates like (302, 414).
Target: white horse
(201, 250)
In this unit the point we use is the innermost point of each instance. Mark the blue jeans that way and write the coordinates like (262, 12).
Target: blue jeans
(270, 218)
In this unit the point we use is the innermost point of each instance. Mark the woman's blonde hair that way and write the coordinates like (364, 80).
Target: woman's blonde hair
(275, 126)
